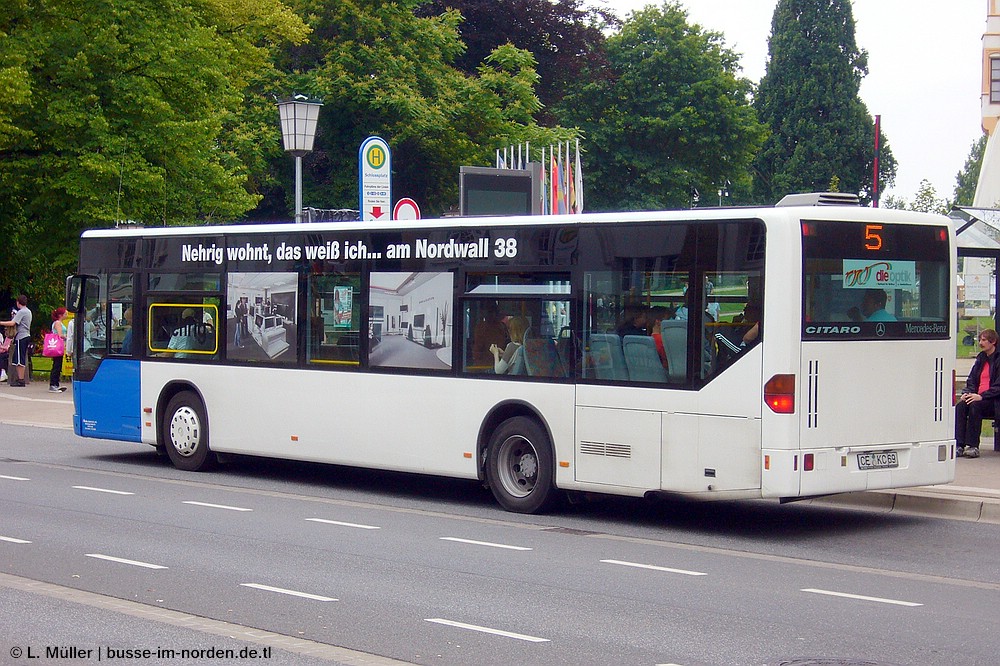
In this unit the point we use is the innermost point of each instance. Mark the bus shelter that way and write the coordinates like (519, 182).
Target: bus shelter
(977, 231)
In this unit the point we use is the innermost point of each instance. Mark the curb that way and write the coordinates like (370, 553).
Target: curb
(935, 503)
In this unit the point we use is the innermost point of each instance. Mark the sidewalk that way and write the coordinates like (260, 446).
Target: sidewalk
(975, 494)
(33, 405)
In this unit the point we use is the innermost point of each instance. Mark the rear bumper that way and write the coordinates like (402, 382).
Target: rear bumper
(838, 470)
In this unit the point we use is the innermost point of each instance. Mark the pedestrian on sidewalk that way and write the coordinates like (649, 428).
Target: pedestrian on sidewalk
(6, 338)
(979, 396)
(57, 361)
(21, 321)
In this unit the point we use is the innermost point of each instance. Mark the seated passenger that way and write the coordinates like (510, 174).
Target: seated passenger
(489, 331)
(872, 307)
(633, 321)
(656, 316)
(511, 361)
(185, 334)
(742, 337)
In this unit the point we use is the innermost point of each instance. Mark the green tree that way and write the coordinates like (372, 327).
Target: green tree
(808, 98)
(925, 200)
(122, 110)
(668, 119)
(566, 37)
(382, 70)
(968, 178)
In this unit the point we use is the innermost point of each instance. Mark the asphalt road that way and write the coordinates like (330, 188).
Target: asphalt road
(117, 550)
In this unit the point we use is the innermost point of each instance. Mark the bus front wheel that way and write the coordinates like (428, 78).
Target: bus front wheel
(185, 432)
(519, 466)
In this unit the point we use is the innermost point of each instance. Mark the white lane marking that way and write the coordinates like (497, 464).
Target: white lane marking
(862, 597)
(13, 540)
(484, 543)
(121, 560)
(655, 568)
(13, 478)
(218, 506)
(487, 630)
(103, 490)
(281, 590)
(341, 524)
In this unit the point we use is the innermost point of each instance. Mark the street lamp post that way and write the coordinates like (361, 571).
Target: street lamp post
(724, 191)
(298, 129)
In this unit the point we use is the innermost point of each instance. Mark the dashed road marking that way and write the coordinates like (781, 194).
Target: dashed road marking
(103, 490)
(293, 593)
(862, 597)
(487, 630)
(342, 524)
(655, 568)
(122, 560)
(485, 543)
(217, 506)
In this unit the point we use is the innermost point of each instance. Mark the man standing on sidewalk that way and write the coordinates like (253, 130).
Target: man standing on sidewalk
(979, 397)
(19, 349)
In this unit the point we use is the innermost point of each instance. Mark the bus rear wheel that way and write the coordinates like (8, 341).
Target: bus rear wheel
(185, 433)
(519, 466)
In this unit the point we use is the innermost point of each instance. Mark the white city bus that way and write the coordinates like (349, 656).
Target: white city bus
(369, 344)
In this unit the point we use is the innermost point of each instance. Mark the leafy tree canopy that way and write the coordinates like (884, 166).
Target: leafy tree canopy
(670, 118)
(382, 70)
(120, 109)
(926, 200)
(565, 36)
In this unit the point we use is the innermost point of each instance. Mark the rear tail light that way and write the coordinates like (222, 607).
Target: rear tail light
(779, 394)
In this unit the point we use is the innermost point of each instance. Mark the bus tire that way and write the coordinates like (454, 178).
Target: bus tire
(185, 433)
(520, 467)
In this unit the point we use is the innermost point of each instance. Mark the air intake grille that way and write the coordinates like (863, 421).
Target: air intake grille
(606, 450)
(820, 199)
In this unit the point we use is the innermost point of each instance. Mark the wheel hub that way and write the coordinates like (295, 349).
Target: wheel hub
(185, 431)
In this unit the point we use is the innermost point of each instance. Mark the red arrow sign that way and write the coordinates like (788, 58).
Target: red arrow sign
(377, 212)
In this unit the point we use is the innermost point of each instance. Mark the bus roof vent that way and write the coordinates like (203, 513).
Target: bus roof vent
(820, 199)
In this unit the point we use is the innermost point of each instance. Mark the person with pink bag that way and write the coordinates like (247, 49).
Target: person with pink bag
(58, 328)
(6, 337)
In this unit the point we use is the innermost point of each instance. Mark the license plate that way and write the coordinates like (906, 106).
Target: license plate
(879, 460)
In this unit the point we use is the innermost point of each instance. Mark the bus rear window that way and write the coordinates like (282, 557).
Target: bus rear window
(874, 281)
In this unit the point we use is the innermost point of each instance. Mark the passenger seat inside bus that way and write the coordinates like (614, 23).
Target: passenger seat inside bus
(675, 335)
(642, 359)
(541, 359)
(607, 357)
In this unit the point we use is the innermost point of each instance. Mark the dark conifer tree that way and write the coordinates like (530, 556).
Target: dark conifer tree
(820, 128)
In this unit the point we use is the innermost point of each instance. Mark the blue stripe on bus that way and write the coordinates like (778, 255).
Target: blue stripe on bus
(111, 402)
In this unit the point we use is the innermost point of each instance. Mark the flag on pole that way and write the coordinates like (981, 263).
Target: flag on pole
(553, 182)
(544, 188)
(569, 178)
(561, 170)
(578, 190)
(571, 189)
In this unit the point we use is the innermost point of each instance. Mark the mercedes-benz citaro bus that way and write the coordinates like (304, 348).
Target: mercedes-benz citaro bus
(781, 352)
